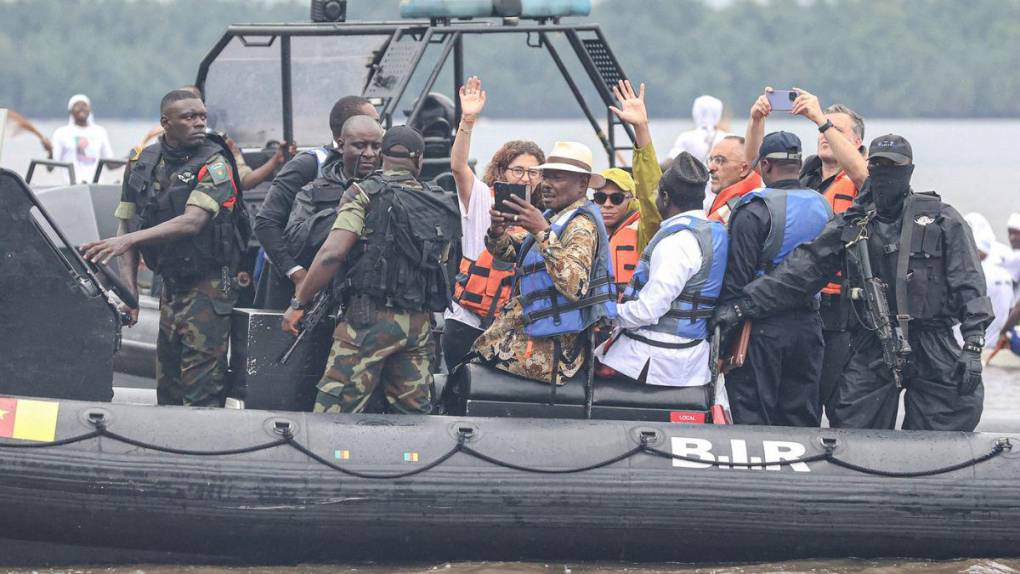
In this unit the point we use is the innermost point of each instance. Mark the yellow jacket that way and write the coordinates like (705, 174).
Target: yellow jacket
(646, 181)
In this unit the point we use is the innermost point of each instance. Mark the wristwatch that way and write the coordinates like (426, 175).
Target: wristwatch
(296, 304)
(974, 344)
(825, 126)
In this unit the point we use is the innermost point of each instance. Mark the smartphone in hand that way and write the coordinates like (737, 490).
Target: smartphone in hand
(782, 100)
(505, 190)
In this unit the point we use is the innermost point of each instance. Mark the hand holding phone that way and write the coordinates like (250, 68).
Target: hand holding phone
(782, 100)
(505, 190)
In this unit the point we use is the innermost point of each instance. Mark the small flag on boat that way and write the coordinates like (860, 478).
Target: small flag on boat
(410, 457)
(342, 454)
(28, 420)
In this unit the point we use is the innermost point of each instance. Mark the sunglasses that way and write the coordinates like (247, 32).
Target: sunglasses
(616, 198)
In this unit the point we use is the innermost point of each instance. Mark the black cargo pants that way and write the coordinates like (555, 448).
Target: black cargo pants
(778, 384)
(867, 396)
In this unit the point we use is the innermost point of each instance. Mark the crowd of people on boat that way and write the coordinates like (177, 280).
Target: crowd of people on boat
(825, 281)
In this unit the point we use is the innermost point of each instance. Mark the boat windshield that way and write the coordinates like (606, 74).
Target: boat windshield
(243, 87)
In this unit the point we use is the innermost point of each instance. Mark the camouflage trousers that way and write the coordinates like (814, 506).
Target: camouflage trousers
(191, 350)
(395, 349)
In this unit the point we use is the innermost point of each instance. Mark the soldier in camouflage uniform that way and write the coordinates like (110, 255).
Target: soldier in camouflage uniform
(177, 211)
(385, 334)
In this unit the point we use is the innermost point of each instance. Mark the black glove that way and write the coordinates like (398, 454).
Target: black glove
(725, 318)
(968, 369)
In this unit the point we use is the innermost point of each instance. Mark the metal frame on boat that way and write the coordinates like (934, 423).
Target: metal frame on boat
(392, 68)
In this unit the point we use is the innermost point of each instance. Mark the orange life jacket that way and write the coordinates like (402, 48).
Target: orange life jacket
(483, 285)
(840, 194)
(725, 201)
(623, 250)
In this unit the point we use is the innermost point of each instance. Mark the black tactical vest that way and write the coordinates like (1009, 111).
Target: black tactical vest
(313, 213)
(162, 194)
(926, 286)
(409, 250)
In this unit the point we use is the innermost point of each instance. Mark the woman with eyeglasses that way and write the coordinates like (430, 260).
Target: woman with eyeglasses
(483, 285)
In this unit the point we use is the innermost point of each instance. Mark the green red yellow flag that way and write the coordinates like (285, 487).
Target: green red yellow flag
(28, 419)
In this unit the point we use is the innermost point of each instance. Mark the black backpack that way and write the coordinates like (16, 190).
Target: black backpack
(409, 250)
(311, 218)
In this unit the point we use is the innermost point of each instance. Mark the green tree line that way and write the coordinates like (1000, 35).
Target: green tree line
(890, 58)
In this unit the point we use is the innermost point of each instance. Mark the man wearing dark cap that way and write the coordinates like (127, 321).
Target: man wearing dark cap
(922, 249)
(664, 316)
(837, 171)
(399, 237)
(778, 383)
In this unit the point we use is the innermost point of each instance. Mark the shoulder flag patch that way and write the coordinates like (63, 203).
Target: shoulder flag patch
(218, 172)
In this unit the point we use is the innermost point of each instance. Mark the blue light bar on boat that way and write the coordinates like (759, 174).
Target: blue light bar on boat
(493, 8)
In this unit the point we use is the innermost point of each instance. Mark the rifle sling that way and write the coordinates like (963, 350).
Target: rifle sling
(902, 264)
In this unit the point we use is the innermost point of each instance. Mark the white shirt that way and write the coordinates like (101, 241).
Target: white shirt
(673, 262)
(1009, 260)
(1000, 291)
(83, 147)
(697, 142)
(474, 224)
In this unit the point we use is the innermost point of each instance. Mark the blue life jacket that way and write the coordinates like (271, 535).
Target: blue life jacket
(547, 313)
(798, 216)
(322, 155)
(689, 313)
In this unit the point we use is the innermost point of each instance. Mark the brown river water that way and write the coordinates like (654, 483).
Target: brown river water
(843, 566)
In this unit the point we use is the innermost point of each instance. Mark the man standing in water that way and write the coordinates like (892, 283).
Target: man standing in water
(81, 142)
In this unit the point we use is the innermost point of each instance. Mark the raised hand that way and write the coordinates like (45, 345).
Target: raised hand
(526, 215)
(472, 98)
(807, 105)
(761, 107)
(632, 106)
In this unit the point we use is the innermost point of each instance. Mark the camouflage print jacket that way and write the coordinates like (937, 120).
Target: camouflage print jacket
(568, 259)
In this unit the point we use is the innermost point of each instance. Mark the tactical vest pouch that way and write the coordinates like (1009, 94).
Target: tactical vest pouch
(360, 311)
(926, 283)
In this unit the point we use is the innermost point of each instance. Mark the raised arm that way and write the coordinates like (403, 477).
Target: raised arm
(472, 102)
(645, 164)
(845, 152)
(632, 111)
(756, 125)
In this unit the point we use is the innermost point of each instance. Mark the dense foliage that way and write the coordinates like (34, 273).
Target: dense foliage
(885, 58)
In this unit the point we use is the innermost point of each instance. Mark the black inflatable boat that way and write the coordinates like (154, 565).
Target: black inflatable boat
(271, 487)
(522, 474)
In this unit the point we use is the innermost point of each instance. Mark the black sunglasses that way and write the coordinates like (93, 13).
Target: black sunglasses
(615, 198)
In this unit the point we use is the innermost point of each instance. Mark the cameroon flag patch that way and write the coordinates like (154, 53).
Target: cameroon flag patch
(27, 419)
(218, 172)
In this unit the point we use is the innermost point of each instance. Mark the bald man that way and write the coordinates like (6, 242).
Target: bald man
(276, 286)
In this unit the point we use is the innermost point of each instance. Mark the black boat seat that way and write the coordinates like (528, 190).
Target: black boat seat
(489, 384)
(628, 394)
(485, 391)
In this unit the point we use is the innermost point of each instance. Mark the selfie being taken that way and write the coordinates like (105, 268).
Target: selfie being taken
(519, 286)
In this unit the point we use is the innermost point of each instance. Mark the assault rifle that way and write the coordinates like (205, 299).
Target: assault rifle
(873, 292)
(316, 313)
